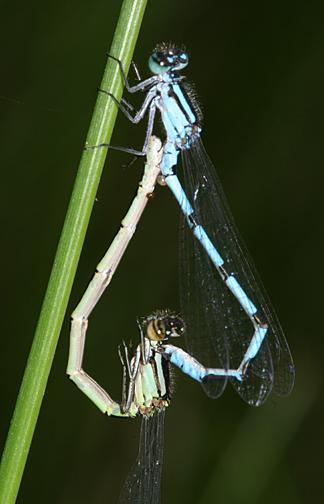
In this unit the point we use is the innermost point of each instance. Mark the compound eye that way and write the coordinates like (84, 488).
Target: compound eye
(182, 60)
(157, 63)
(176, 327)
(155, 330)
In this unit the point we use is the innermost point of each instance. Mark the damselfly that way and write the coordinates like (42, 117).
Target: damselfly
(146, 383)
(225, 306)
(146, 373)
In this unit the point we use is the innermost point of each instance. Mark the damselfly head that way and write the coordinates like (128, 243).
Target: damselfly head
(163, 325)
(167, 57)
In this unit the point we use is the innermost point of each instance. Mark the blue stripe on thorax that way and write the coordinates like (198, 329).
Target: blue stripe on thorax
(177, 113)
(185, 103)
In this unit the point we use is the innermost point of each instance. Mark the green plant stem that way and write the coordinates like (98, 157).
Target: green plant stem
(67, 256)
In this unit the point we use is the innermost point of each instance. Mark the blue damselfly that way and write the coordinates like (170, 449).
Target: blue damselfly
(231, 325)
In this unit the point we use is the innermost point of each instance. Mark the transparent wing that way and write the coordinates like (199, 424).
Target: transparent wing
(143, 483)
(218, 330)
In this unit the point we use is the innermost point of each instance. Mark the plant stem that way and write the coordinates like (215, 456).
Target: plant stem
(67, 256)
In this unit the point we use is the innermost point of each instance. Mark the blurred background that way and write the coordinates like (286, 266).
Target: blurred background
(258, 69)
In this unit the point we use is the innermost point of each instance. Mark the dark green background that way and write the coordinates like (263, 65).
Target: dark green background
(258, 68)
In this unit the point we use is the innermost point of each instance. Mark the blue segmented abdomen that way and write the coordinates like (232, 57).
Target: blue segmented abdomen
(197, 371)
(188, 364)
